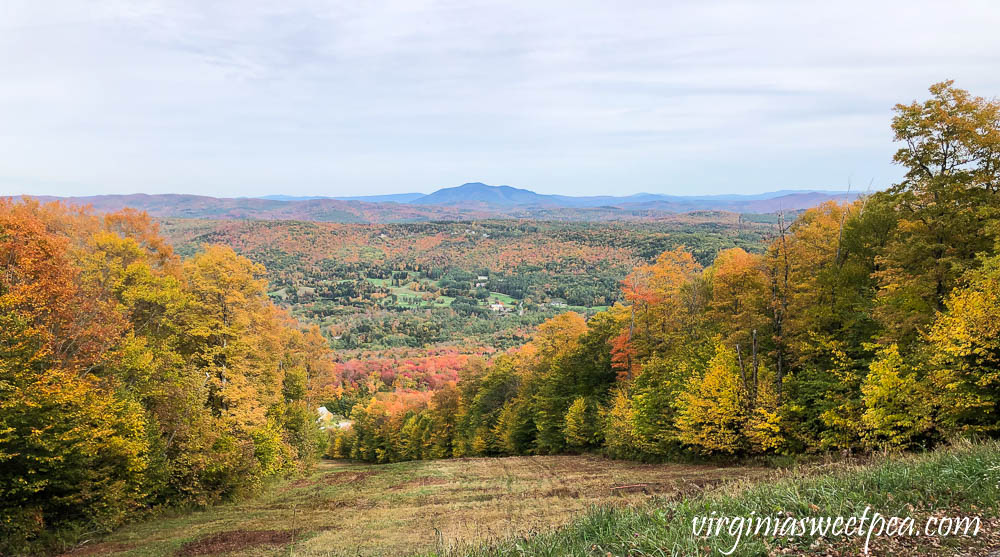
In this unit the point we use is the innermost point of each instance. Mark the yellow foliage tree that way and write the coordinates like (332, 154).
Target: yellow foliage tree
(896, 405)
(578, 428)
(965, 348)
(711, 410)
(618, 421)
(763, 430)
(739, 294)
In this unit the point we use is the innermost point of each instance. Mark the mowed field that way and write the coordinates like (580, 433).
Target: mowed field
(412, 507)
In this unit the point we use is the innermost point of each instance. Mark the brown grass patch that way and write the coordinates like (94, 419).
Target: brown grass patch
(419, 482)
(348, 477)
(562, 492)
(235, 540)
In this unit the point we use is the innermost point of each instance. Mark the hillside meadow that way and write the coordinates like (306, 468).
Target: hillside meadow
(574, 506)
(344, 508)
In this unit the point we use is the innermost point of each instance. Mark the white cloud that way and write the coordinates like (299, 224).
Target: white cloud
(246, 98)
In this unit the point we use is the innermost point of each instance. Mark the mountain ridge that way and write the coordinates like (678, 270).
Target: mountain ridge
(484, 194)
(471, 201)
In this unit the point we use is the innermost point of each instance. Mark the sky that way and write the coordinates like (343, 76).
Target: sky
(349, 98)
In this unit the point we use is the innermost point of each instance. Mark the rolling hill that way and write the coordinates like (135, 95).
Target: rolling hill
(471, 201)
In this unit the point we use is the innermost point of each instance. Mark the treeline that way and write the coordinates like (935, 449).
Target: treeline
(868, 325)
(131, 380)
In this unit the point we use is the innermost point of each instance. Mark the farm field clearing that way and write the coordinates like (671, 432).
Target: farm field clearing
(410, 508)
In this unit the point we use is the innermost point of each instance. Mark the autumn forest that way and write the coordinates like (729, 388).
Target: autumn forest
(853, 327)
(153, 364)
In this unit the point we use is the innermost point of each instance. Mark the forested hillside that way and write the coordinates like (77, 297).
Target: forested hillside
(861, 326)
(131, 380)
(479, 284)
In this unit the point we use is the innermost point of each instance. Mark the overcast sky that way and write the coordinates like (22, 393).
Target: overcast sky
(354, 98)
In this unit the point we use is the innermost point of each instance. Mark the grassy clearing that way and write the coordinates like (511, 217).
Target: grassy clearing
(507, 300)
(576, 506)
(413, 507)
(401, 291)
(956, 481)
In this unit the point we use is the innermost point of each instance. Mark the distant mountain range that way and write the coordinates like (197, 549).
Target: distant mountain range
(390, 198)
(477, 193)
(466, 202)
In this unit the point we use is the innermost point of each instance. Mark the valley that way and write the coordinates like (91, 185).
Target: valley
(478, 285)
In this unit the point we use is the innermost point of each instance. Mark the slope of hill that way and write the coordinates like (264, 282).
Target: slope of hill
(389, 198)
(742, 204)
(320, 210)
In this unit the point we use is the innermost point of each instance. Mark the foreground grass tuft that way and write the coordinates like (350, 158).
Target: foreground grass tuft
(961, 479)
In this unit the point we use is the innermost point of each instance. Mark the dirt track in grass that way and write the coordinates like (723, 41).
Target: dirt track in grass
(412, 507)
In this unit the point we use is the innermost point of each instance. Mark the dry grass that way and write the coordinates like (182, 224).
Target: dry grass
(415, 507)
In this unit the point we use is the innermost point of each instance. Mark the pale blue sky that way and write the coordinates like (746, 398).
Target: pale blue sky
(355, 98)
